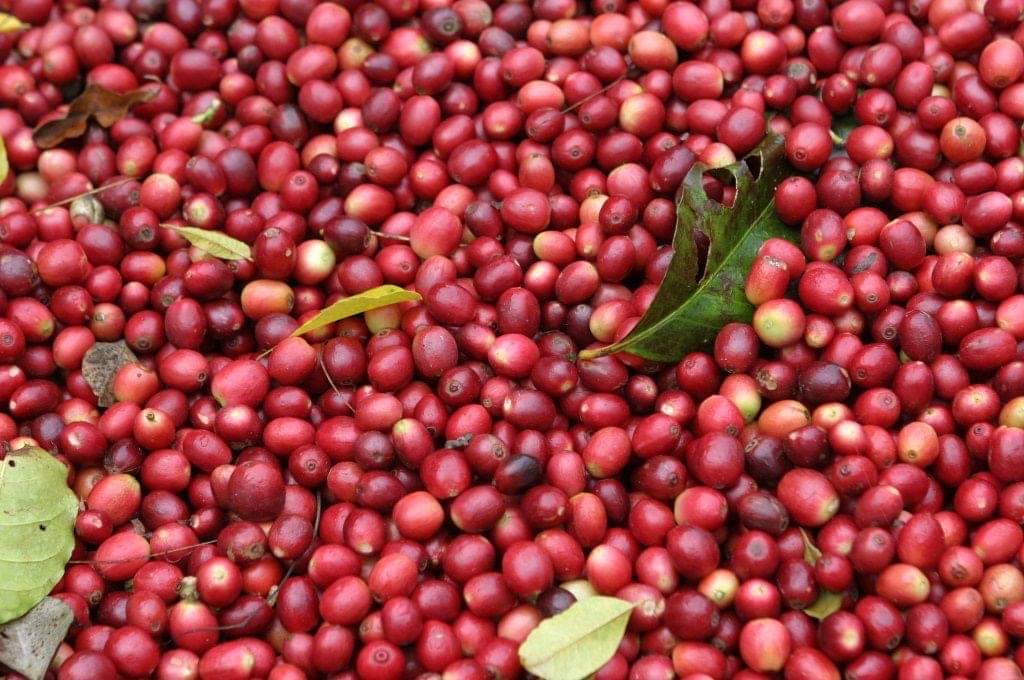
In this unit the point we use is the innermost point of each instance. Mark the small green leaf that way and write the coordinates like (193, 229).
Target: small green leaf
(5, 165)
(216, 243)
(827, 603)
(37, 517)
(703, 287)
(577, 642)
(375, 298)
(811, 551)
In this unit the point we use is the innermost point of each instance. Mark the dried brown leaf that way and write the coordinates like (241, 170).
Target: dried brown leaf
(28, 644)
(96, 102)
(100, 364)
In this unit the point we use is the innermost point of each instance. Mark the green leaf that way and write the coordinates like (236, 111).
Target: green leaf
(577, 642)
(702, 291)
(827, 603)
(216, 243)
(375, 298)
(37, 516)
(5, 165)
(811, 551)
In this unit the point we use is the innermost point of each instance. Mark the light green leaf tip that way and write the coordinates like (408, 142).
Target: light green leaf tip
(828, 603)
(375, 298)
(37, 517)
(577, 642)
(215, 243)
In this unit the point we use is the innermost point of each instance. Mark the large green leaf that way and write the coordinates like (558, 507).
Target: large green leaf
(703, 288)
(577, 642)
(37, 517)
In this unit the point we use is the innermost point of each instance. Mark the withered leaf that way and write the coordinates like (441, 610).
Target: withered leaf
(100, 364)
(95, 102)
(28, 644)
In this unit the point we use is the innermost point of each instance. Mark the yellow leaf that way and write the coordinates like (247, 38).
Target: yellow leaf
(11, 24)
(5, 166)
(215, 243)
(375, 298)
(577, 642)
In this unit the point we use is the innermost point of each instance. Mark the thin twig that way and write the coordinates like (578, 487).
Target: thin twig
(150, 556)
(272, 595)
(320, 360)
(72, 199)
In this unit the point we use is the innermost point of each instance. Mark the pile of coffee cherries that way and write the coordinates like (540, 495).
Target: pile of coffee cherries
(832, 490)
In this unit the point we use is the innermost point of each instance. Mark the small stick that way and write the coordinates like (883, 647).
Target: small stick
(72, 199)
